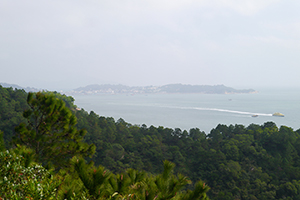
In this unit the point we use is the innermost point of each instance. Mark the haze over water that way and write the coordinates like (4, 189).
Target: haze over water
(62, 45)
(204, 111)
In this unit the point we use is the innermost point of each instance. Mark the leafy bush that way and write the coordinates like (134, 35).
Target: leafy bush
(21, 180)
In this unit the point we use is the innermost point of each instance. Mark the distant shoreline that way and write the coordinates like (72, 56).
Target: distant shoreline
(134, 90)
(163, 93)
(165, 89)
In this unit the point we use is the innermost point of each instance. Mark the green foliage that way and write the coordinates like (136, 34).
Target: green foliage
(12, 104)
(94, 179)
(168, 185)
(21, 180)
(71, 187)
(50, 131)
(133, 184)
(237, 162)
(69, 101)
(2, 144)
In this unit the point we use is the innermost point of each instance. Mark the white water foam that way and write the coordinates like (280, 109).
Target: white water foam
(220, 110)
(198, 108)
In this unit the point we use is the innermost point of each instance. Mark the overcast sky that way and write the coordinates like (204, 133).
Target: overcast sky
(65, 44)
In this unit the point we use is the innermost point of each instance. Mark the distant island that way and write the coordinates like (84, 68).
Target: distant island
(14, 86)
(168, 89)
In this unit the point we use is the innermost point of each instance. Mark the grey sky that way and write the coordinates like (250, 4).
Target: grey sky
(71, 43)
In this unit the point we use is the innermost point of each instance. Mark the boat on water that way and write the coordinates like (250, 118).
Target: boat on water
(277, 114)
(254, 115)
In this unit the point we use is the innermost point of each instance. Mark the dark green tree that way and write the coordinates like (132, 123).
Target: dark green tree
(12, 105)
(2, 145)
(50, 131)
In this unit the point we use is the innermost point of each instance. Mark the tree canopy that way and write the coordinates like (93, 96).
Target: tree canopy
(235, 161)
(50, 130)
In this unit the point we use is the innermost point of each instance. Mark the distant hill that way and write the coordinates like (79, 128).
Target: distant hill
(206, 89)
(27, 89)
(170, 88)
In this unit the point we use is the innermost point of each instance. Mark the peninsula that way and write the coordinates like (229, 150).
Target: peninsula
(170, 88)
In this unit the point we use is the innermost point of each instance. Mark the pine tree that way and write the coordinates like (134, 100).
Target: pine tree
(2, 145)
(95, 179)
(50, 131)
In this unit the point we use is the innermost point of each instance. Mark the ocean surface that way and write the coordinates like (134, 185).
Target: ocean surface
(204, 111)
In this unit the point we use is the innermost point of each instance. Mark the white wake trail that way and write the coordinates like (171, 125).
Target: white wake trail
(221, 110)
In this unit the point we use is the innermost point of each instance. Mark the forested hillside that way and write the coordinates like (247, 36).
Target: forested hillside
(47, 161)
(236, 162)
(12, 105)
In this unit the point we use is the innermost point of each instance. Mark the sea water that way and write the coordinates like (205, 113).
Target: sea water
(203, 111)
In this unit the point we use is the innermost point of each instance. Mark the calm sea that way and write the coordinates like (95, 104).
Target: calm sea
(204, 111)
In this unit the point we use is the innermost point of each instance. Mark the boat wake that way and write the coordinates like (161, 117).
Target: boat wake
(200, 108)
(221, 110)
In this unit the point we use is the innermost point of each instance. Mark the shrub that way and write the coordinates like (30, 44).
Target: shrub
(20, 180)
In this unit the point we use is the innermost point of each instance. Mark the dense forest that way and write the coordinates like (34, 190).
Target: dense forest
(235, 162)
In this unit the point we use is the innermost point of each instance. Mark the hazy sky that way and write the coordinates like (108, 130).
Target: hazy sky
(65, 44)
